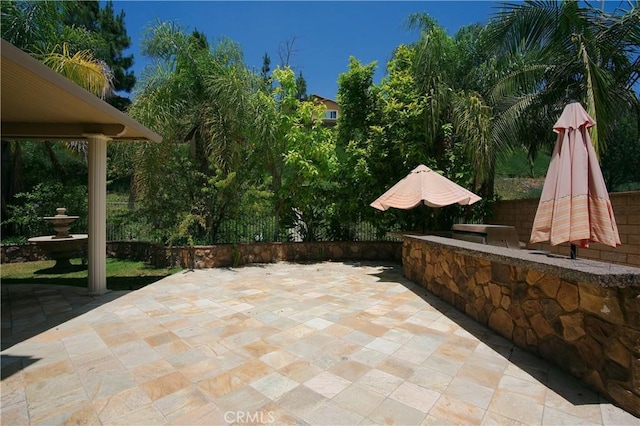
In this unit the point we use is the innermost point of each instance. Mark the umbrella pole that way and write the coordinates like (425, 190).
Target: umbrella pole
(574, 251)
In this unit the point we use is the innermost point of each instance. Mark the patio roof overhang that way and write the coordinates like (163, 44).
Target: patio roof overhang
(39, 104)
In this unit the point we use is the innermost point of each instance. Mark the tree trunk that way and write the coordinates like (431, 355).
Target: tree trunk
(278, 204)
(60, 170)
(12, 174)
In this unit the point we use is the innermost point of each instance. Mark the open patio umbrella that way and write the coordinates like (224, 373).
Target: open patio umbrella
(574, 206)
(424, 186)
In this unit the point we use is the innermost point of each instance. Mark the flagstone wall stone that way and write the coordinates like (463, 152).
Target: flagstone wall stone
(580, 315)
(226, 255)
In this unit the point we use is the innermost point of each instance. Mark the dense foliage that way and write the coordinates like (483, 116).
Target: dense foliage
(244, 143)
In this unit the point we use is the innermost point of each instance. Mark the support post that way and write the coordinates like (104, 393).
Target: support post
(97, 221)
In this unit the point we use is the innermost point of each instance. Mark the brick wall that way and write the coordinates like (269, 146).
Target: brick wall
(626, 208)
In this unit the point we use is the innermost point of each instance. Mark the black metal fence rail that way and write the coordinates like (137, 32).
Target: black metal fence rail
(250, 230)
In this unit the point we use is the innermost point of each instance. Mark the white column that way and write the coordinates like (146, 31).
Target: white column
(97, 223)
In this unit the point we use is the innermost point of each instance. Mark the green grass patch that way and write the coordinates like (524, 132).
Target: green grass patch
(121, 274)
(517, 164)
(629, 186)
(518, 188)
(117, 197)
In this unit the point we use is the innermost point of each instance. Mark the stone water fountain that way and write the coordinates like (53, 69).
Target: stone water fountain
(63, 246)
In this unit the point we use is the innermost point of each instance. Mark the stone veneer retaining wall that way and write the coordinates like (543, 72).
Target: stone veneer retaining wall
(16, 253)
(241, 254)
(581, 315)
(626, 208)
(228, 254)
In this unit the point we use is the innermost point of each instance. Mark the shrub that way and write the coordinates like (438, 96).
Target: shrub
(25, 216)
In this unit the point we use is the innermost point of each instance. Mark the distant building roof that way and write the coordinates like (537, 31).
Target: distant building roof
(322, 98)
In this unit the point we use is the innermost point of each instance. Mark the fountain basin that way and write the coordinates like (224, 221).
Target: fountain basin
(62, 246)
(62, 249)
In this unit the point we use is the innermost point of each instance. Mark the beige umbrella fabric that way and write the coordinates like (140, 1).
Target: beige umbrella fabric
(424, 186)
(574, 206)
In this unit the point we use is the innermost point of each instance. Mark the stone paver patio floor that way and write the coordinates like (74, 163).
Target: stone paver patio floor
(326, 343)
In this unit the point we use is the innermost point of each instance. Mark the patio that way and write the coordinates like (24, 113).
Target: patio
(326, 343)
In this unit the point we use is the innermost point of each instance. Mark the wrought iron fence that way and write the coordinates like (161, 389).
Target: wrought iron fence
(251, 230)
(246, 229)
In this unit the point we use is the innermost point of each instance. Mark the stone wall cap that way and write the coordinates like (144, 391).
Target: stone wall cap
(478, 227)
(576, 270)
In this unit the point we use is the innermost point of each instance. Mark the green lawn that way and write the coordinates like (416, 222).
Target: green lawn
(121, 274)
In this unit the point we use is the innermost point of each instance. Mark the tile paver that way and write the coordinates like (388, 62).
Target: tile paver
(325, 343)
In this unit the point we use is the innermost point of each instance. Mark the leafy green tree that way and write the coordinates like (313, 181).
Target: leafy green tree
(304, 157)
(113, 30)
(434, 71)
(454, 74)
(264, 71)
(31, 26)
(358, 98)
(294, 148)
(430, 109)
(25, 218)
(231, 143)
(83, 13)
(301, 87)
(620, 161)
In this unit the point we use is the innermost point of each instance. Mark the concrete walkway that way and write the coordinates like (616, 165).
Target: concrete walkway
(320, 344)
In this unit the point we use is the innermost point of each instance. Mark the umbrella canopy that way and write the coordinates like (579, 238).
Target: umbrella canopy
(424, 186)
(574, 206)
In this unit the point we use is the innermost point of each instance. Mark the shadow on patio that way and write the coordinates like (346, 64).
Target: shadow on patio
(562, 383)
(33, 306)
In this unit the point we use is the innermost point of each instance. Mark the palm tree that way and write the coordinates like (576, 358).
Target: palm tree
(82, 68)
(561, 51)
(453, 73)
(199, 97)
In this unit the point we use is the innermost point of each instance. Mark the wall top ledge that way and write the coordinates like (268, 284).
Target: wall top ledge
(576, 270)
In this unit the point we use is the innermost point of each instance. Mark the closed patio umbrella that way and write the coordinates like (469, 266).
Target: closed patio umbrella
(574, 206)
(424, 186)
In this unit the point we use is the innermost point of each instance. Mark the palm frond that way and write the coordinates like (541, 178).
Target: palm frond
(163, 41)
(472, 119)
(82, 68)
(508, 124)
(581, 53)
(524, 79)
(521, 27)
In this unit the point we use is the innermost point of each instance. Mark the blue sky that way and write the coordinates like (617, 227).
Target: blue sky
(326, 33)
